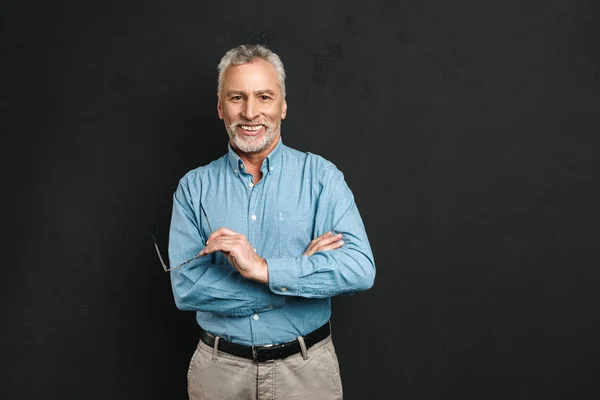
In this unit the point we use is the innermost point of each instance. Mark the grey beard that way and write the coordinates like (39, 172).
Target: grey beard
(252, 144)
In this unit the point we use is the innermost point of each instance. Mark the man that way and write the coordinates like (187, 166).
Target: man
(290, 237)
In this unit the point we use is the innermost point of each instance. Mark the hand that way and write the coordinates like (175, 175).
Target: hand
(239, 252)
(325, 242)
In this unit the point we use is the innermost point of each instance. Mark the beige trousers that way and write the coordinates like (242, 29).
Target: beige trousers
(214, 375)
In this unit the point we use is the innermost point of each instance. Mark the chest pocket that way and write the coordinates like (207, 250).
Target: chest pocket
(295, 233)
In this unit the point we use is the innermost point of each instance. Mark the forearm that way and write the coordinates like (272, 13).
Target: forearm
(348, 269)
(209, 283)
(324, 274)
(220, 289)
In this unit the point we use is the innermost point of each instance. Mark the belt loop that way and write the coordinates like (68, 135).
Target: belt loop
(302, 347)
(215, 349)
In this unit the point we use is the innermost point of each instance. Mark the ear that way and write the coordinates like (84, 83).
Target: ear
(220, 109)
(283, 109)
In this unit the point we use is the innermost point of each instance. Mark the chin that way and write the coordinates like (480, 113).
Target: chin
(251, 146)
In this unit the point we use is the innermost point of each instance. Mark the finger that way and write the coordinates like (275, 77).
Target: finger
(320, 238)
(324, 241)
(332, 246)
(315, 243)
(328, 243)
(224, 244)
(216, 243)
(220, 233)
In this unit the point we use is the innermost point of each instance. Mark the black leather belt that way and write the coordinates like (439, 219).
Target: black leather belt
(268, 352)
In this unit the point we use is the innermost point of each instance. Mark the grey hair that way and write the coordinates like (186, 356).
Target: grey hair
(246, 53)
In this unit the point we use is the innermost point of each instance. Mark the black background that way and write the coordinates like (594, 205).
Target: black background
(467, 130)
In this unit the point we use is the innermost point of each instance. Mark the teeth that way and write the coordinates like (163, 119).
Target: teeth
(250, 128)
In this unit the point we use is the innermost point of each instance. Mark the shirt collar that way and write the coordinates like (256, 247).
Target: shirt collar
(271, 161)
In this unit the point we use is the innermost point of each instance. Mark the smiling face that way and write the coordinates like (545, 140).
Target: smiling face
(251, 105)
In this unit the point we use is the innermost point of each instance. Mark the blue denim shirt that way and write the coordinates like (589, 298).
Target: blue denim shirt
(300, 197)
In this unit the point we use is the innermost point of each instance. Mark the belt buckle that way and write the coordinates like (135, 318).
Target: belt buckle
(255, 350)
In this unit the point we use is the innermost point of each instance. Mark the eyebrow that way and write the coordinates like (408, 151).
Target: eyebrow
(256, 92)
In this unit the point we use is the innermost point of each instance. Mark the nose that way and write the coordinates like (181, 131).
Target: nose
(250, 110)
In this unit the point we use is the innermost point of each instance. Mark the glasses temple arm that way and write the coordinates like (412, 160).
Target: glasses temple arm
(206, 217)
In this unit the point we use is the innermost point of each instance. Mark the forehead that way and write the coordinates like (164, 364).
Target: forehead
(257, 75)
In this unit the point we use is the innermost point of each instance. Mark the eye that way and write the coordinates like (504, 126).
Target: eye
(264, 97)
(236, 98)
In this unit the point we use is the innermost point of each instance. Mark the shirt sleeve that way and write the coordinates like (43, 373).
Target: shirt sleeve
(348, 269)
(202, 285)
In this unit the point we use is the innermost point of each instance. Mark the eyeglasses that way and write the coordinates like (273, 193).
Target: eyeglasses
(164, 265)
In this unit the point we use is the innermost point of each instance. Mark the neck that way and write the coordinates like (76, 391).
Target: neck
(254, 161)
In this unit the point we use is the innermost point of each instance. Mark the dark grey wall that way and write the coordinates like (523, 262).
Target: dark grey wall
(467, 130)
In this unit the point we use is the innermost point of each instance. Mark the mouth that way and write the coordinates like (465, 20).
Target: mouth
(250, 130)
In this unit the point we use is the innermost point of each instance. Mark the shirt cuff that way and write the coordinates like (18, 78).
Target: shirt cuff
(283, 276)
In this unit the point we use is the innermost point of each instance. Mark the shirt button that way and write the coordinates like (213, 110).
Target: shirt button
(235, 170)
(255, 317)
(283, 289)
(272, 168)
(253, 218)
(241, 166)
(251, 184)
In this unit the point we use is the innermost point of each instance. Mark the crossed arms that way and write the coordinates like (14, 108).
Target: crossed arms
(330, 264)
